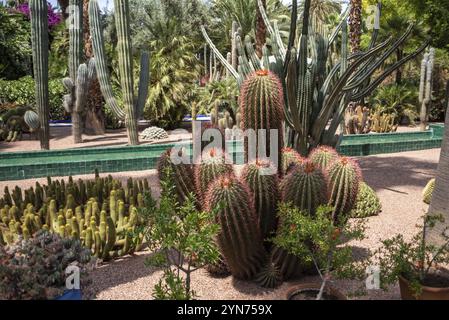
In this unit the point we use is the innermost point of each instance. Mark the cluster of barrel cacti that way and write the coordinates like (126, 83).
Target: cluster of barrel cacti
(101, 213)
(319, 76)
(248, 204)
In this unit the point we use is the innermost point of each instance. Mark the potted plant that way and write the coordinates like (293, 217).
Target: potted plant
(323, 241)
(417, 264)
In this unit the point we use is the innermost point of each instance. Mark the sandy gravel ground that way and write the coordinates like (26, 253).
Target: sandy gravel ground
(61, 138)
(397, 178)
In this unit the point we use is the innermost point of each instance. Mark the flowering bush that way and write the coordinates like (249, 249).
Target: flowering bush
(54, 18)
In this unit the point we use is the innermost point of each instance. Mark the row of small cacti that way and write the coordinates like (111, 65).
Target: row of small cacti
(249, 203)
(106, 222)
(361, 121)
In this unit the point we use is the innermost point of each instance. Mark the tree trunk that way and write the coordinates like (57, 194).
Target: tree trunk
(94, 118)
(261, 31)
(355, 25)
(440, 203)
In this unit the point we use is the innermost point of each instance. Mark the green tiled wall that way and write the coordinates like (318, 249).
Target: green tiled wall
(26, 165)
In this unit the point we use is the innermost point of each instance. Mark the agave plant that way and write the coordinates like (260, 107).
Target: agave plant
(319, 80)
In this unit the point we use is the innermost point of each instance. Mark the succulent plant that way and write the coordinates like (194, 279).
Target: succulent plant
(31, 118)
(214, 164)
(219, 268)
(290, 159)
(239, 239)
(261, 104)
(270, 276)
(323, 156)
(288, 265)
(367, 204)
(154, 133)
(428, 191)
(318, 74)
(39, 40)
(305, 187)
(182, 175)
(262, 180)
(344, 180)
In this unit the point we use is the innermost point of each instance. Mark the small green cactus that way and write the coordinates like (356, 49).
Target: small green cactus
(428, 191)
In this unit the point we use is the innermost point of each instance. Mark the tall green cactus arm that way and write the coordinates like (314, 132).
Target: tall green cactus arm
(76, 37)
(292, 35)
(342, 19)
(96, 31)
(125, 58)
(39, 40)
(144, 82)
(220, 57)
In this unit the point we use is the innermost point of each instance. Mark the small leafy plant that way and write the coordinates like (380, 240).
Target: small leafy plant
(34, 269)
(323, 241)
(418, 261)
(182, 238)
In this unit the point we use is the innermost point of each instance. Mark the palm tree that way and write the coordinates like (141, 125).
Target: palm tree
(355, 24)
(324, 10)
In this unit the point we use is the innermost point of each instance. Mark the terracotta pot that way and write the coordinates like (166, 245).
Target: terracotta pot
(298, 288)
(428, 293)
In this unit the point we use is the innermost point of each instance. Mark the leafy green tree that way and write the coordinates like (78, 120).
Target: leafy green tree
(182, 239)
(15, 49)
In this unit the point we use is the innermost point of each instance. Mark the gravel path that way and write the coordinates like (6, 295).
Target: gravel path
(398, 180)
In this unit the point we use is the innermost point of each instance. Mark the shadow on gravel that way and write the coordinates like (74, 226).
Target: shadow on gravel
(396, 171)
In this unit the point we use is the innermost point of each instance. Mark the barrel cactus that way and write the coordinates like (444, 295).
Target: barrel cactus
(181, 175)
(154, 133)
(290, 159)
(261, 104)
(344, 179)
(305, 187)
(367, 204)
(213, 165)
(288, 265)
(239, 239)
(270, 276)
(262, 180)
(428, 191)
(323, 156)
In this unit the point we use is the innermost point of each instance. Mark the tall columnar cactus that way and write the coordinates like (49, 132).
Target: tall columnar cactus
(261, 105)
(323, 156)
(344, 177)
(425, 86)
(39, 40)
(305, 187)
(133, 107)
(181, 175)
(213, 165)
(319, 80)
(264, 187)
(239, 239)
(290, 159)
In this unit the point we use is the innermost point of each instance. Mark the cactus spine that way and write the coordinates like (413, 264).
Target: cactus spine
(133, 107)
(305, 187)
(213, 165)
(290, 159)
(39, 40)
(344, 180)
(263, 183)
(239, 239)
(261, 104)
(323, 156)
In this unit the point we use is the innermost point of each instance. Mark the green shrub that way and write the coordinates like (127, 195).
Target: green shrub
(368, 204)
(21, 92)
